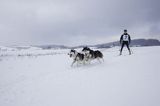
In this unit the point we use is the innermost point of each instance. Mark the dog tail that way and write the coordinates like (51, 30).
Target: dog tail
(98, 54)
(101, 55)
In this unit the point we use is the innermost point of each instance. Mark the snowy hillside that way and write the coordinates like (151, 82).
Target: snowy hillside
(36, 77)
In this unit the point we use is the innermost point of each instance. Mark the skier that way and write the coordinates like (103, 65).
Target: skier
(125, 40)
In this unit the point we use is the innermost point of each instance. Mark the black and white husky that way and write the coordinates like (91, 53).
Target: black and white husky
(77, 57)
(91, 54)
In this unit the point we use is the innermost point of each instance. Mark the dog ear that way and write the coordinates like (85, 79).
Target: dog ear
(72, 50)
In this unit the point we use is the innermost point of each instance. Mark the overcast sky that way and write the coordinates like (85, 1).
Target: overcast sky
(76, 22)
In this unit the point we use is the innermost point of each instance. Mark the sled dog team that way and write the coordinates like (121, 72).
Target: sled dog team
(86, 56)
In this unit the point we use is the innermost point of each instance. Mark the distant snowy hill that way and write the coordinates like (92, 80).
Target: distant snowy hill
(135, 42)
(53, 47)
(45, 78)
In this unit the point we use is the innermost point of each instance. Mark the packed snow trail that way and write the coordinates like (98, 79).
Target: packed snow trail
(48, 80)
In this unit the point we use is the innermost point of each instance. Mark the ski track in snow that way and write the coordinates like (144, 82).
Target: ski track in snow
(45, 78)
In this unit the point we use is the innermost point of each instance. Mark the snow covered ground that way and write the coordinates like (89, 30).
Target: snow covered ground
(36, 77)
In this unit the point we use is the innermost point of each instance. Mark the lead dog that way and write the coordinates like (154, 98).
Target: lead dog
(77, 57)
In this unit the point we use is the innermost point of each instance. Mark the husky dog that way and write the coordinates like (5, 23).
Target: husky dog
(77, 57)
(91, 54)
